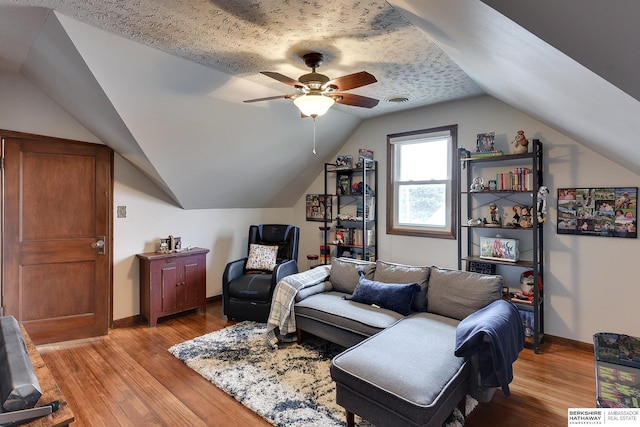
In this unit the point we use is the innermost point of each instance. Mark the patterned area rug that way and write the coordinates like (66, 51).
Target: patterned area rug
(288, 387)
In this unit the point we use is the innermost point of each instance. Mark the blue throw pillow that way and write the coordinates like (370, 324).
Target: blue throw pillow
(395, 297)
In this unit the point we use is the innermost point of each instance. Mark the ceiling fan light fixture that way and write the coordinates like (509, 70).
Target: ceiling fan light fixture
(313, 105)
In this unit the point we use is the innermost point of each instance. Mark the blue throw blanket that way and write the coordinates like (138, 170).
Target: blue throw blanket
(496, 334)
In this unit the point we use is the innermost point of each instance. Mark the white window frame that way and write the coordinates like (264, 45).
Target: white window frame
(394, 142)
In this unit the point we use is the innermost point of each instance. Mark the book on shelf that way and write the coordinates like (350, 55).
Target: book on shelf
(519, 179)
(354, 236)
(366, 210)
(483, 154)
(359, 237)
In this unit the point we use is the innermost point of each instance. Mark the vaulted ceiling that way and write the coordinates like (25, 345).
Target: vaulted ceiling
(162, 81)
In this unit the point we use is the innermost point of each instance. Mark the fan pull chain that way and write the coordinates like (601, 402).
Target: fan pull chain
(314, 134)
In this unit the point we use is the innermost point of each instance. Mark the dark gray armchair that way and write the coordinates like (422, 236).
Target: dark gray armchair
(246, 293)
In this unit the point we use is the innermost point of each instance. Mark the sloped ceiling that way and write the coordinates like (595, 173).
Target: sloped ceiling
(162, 82)
(518, 68)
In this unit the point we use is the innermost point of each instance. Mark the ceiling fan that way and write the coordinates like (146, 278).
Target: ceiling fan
(316, 93)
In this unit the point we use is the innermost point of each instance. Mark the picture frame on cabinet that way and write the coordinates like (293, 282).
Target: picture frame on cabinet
(598, 211)
(318, 205)
(175, 243)
(164, 246)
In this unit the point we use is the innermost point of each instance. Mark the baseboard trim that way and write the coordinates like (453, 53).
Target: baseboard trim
(566, 342)
(137, 319)
(127, 321)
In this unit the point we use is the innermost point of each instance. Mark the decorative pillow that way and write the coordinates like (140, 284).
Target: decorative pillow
(457, 294)
(392, 296)
(388, 272)
(262, 257)
(344, 274)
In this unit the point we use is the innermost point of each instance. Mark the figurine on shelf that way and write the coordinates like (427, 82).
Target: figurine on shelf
(525, 218)
(543, 192)
(496, 221)
(477, 184)
(520, 144)
(474, 222)
(517, 210)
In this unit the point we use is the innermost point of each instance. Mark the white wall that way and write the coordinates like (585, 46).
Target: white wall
(25, 108)
(590, 283)
(150, 215)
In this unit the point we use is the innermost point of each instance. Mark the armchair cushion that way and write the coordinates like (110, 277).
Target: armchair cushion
(262, 257)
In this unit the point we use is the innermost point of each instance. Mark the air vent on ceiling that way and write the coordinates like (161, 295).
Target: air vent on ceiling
(397, 99)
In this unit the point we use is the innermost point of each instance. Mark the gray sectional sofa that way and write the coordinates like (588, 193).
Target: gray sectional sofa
(410, 365)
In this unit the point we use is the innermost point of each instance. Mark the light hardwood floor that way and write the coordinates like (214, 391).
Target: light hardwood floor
(128, 378)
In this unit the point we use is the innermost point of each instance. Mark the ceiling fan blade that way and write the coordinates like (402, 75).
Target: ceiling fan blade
(268, 98)
(281, 78)
(355, 100)
(351, 81)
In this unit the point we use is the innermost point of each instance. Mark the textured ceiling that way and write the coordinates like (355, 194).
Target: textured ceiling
(140, 100)
(242, 38)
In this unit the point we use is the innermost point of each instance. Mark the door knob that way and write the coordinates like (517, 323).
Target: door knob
(99, 245)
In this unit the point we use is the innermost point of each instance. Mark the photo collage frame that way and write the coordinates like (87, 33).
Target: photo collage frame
(602, 211)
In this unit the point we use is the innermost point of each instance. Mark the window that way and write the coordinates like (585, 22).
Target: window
(421, 179)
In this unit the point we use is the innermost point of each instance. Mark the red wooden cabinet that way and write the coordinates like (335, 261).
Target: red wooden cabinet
(172, 283)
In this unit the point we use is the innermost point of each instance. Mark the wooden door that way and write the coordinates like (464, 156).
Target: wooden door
(57, 204)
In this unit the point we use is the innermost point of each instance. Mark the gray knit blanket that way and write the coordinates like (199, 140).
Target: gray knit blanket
(281, 325)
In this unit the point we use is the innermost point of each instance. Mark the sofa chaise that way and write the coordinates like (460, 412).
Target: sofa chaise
(414, 348)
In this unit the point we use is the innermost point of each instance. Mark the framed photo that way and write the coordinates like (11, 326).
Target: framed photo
(344, 162)
(485, 142)
(175, 243)
(318, 206)
(599, 211)
(164, 246)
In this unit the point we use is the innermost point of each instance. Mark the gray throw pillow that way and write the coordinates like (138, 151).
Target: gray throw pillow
(389, 272)
(344, 274)
(457, 294)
